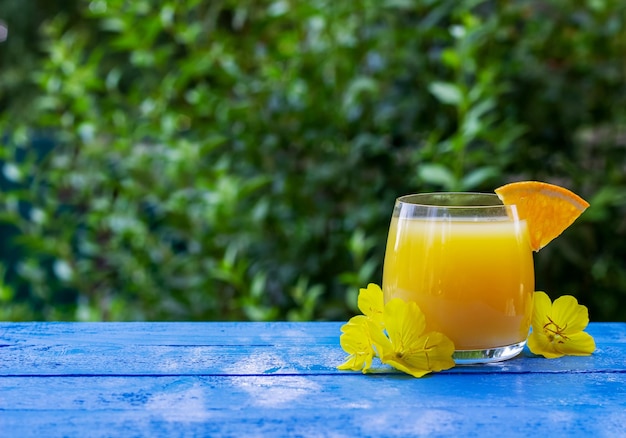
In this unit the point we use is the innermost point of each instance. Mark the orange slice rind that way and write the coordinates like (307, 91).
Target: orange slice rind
(547, 208)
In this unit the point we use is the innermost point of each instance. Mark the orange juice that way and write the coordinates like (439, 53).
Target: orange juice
(473, 279)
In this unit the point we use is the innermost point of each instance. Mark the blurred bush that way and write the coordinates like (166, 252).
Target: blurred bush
(228, 160)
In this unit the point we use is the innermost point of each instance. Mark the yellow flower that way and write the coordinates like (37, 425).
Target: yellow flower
(404, 346)
(407, 348)
(371, 302)
(356, 340)
(558, 327)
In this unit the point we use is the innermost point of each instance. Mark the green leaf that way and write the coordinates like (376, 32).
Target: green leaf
(451, 58)
(446, 92)
(478, 176)
(437, 174)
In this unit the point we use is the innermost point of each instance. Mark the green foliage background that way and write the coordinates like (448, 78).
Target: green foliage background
(239, 159)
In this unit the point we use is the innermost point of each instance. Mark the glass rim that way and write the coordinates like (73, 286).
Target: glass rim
(418, 200)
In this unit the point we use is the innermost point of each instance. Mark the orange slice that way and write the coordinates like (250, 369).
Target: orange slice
(548, 209)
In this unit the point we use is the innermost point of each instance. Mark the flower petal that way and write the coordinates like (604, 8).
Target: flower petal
(435, 348)
(401, 366)
(577, 344)
(542, 307)
(539, 344)
(404, 321)
(371, 302)
(355, 340)
(356, 363)
(431, 352)
(569, 315)
(407, 349)
(380, 341)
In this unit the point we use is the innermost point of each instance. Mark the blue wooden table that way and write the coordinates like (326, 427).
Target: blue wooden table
(280, 379)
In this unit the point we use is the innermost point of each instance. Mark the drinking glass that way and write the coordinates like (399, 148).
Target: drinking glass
(466, 260)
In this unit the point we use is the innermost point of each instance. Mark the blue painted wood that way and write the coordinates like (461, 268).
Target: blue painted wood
(280, 379)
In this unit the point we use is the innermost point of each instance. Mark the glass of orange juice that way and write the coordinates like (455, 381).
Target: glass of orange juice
(466, 260)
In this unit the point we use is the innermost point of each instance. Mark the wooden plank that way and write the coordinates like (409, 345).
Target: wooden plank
(279, 379)
(240, 360)
(209, 333)
(172, 333)
(234, 349)
(346, 405)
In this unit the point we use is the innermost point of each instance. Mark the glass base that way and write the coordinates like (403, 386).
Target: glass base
(489, 355)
